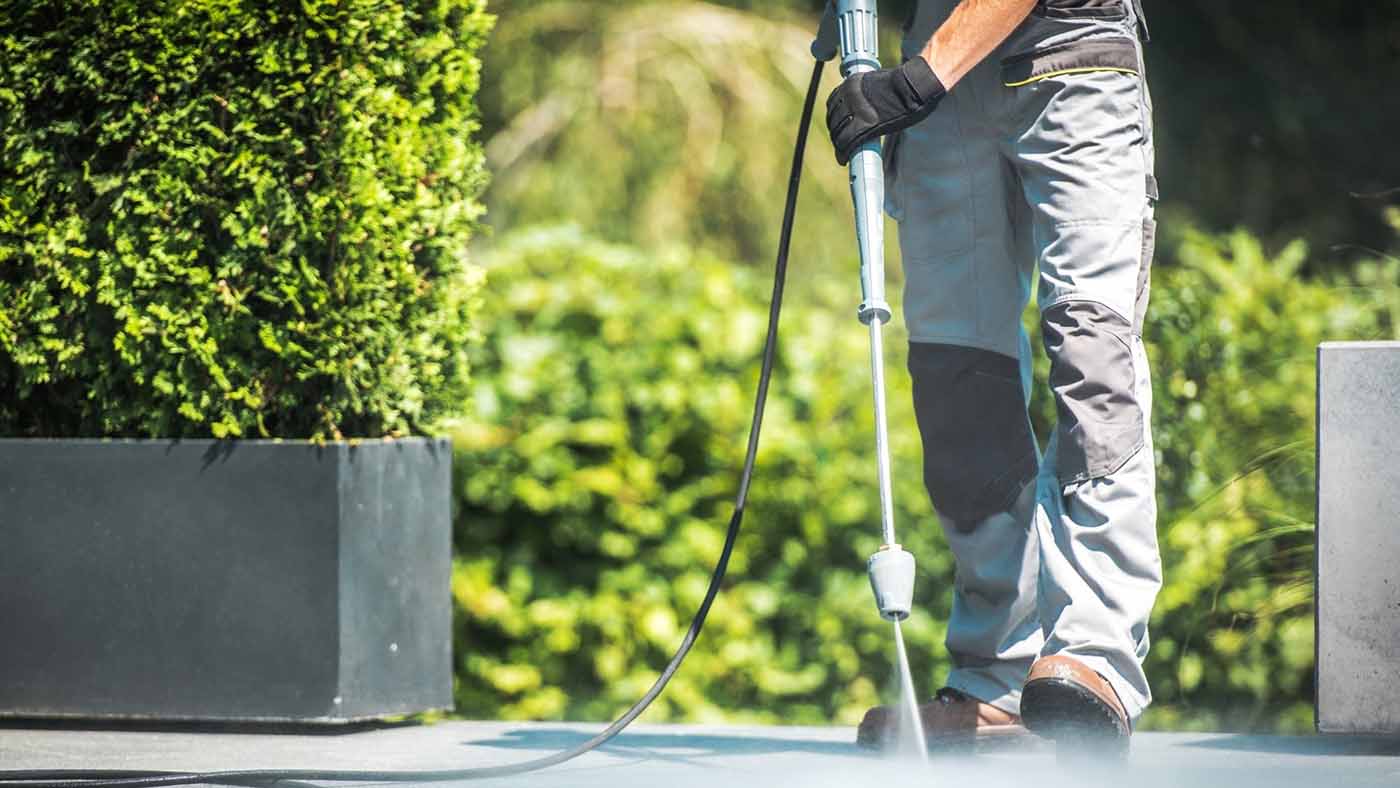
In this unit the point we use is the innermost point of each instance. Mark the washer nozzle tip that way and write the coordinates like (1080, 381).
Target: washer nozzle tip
(892, 579)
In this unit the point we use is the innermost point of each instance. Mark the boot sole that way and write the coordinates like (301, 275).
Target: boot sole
(1077, 720)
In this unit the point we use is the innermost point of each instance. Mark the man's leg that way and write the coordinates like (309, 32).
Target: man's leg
(1083, 151)
(979, 468)
(970, 362)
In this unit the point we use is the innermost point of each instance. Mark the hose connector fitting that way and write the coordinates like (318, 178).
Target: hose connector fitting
(875, 309)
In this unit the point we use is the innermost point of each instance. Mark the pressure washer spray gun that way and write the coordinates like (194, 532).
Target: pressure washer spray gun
(849, 26)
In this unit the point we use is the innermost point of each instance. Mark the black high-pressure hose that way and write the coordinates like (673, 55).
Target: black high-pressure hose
(288, 778)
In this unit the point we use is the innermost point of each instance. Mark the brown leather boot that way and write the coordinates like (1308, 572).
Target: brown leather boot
(951, 718)
(1067, 701)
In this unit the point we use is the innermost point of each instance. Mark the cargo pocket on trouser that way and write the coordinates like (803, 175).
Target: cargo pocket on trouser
(1100, 422)
(1144, 281)
(893, 206)
(979, 452)
(1116, 53)
(1081, 9)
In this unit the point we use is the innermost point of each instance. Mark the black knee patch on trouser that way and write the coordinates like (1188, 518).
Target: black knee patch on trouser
(1092, 374)
(979, 452)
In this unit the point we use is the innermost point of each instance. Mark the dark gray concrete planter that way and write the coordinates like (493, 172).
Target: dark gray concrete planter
(246, 580)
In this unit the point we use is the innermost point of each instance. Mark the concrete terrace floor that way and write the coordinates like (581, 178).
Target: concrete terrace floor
(680, 756)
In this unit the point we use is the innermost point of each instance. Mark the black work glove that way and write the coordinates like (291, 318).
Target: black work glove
(868, 105)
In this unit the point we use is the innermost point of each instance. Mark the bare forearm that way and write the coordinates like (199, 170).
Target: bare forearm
(975, 28)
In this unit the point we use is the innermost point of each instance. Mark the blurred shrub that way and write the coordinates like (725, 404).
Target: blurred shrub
(659, 123)
(1279, 121)
(612, 399)
(597, 470)
(1233, 334)
(235, 218)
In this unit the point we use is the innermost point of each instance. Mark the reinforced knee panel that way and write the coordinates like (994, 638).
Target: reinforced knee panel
(1100, 421)
(979, 452)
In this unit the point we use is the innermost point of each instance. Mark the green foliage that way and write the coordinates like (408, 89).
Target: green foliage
(1272, 117)
(597, 471)
(1233, 335)
(235, 217)
(657, 124)
(597, 468)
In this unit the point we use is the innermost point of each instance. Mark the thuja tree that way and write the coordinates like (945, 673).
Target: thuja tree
(236, 217)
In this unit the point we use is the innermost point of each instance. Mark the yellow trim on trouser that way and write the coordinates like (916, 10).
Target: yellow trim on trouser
(1064, 71)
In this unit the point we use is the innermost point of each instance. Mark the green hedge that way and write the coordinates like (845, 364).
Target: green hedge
(236, 217)
(597, 470)
(1233, 333)
(586, 128)
(612, 399)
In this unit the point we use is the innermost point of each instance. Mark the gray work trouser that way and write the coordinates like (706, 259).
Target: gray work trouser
(1038, 163)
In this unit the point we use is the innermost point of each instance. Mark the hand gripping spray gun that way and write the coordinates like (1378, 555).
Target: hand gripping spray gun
(851, 25)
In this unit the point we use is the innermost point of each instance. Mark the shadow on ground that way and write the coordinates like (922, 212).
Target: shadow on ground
(195, 726)
(678, 746)
(1303, 745)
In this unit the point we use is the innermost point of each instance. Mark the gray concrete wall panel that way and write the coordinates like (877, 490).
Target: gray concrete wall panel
(1358, 537)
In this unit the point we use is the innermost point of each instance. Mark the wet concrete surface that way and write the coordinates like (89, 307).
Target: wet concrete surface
(681, 756)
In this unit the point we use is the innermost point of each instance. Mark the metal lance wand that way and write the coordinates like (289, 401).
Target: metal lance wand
(850, 27)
